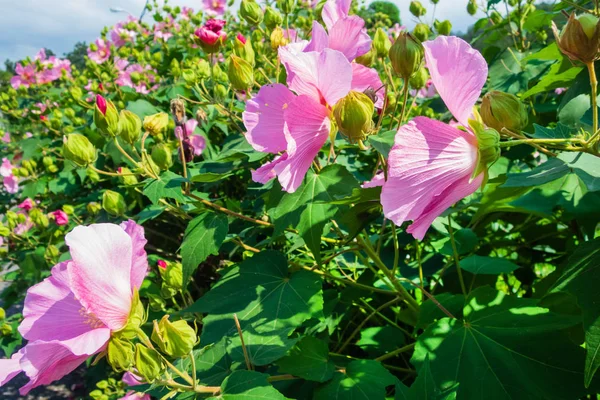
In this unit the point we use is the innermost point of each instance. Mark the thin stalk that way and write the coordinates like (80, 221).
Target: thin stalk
(404, 101)
(349, 283)
(93, 168)
(193, 362)
(394, 353)
(510, 143)
(135, 163)
(244, 350)
(594, 85)
(455, 254)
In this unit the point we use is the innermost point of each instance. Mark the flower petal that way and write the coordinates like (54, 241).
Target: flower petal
(333, 10)
(349, 36)
(10, 367)
(267, 171)
(324, 75)
(319, 39)
(458, 72)
(263, 118)
(364, 78)
(51, 312)
(198, 143)
(139, 262)
(427, 157)
(308, 125)
(101, 271)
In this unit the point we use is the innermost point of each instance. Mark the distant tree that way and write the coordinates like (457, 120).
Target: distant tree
(77, 55)
(387, 8)
(9, 66)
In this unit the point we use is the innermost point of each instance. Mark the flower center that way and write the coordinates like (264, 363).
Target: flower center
(90, 318)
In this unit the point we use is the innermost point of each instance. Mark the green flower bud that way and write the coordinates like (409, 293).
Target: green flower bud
(93, 208)
(39, 218)
(79, 149)
(488, 142)
(189, 76)
(47, 161)
(580, 38)
(203, 69)
(354, 116)
(367, 58)
(130, 126)
(2, 314)
(6, 330)
(113, 203)
(220, 91)
(417, 9)
(92, 175)
(240, 73)
(443, 27)
(278, 38)
(472, 7)
(76, 92)
(419, 79)
(4, 231)
(156, 123)
(51, 252)
(120, 354)
(381, 43)
(106, 117)
(68, 209)
(406, 55)
(162, 156)
(244, 50)
(21, 218)
(421, 32)
(148, 163)
(148, 363)
(251, 12)
(176, 339)
(496, 17)
(503, 110)
(175, 69)
(173, 275)
(126, 177)
(286, 6)
(272, 18)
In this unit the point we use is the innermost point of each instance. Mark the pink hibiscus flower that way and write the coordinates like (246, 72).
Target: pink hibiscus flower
(60, 217)
(425, 93)
(10, 182)
(101, 52)
(26, 205)
(211, 32)
(431, 164)
(26, 76)
(130, 379)
(70, 315)
(214, 7)
(193, 144)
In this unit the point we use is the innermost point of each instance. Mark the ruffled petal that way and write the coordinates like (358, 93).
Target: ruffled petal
(51, 312)
(458, 72)
(427, 157)
(101, 271)
(10, 367)
(334, 10)
(263, 118)
(325, 76)
(378, 180)
(459, 190)
(139, 262)
(308, 126)
(364, 78)
(267, 171)
(349, 36)
(198, 143)
(319, 39)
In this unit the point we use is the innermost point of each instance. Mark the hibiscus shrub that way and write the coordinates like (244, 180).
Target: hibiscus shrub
(285, 201)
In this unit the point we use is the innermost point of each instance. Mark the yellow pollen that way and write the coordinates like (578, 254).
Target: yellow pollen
(90, 319)
(285, 105)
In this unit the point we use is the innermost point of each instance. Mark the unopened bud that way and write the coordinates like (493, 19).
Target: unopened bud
(286, 6)
(176, 339)
(156, 123)
(126, 177)
(162, 156)
(421, 32)
(39, 218)
(120, 354)
(417, 9)
(113, 203)
(93, 208)
(178, 111)
(496, 17)
(381, 43)
(251, 12)
(278, 38)
(503, 110)
(130, 126)
(354, 116)
(580, 38)
(272, 18)
(488, 142)
(175, 68)
(367, 58)
(172, 275)
(78, 149)
(472, 7)
(443, 27)
(106, 117)
(406, 55)
(148, 363)
(240, 73)
(244, 50)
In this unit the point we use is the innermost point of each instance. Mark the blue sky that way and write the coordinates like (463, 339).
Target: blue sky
(28, 25)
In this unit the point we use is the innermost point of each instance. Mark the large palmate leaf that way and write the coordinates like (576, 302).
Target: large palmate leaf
(487, 265)
(307, 209)
(580, 279)
(309, 359)
(265, 296)
(424, 387)
(168, 186)
(499, 349)
(248, 385)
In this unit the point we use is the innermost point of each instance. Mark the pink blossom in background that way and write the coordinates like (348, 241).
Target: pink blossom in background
(26, 76)
(26, 205)
(6, 137)
(148, 81)
(164, 30)
(102, 52)
(186, 13)
(195, 143)
(130, 379)
(120, 36)
(43, 70)
(6, 167)
(431, 165)
(395, 30)
(425, 93)
(559, 91)
(28, 134)
(60, 217)
(214, 7)
(241, 38)
(93, 292)
(211, 32)
(11, 184)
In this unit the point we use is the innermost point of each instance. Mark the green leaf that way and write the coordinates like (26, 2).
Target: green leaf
(466, 240)
(383, 142)
(142, 108)
(538, 19)
(149, 213)
(424, 387)
(362, 379)
(580, 278)
(487, 265)
(309, 360)
(560, 74)
(430, 312)
(507, 73)
(209, 177)
(561, 131)
(213, 363)
(307, 210)
(262, 348)
(248, 385)
(168, 186)
(586, 167)
(378, 340)
(547, 172)
(500, 349)
(576, 101)
(263, 294)
(203, 237)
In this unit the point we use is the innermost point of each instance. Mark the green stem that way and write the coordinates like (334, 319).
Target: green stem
(135, 163)
(594, 85)
(455, 254)
(394, 353)
(404, 101)
(537, 141)
(349, 282)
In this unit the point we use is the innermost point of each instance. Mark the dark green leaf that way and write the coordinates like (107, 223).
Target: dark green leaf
(487, 265)
(309, 359)
(169, 186)
(361, 379)
(248, 385)
(383, 142)
(142, 108)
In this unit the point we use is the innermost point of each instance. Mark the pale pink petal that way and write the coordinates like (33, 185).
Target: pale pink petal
(131, 379)
(263, 118)
(427, 157)
(364, 78)
(324, 76)
(349, 36)
(190, 126)
(51, 312)
(333, 10)
(101, 271)
(458, 72)
(267, 171)
(139, 262)
(11, 184)
(378, 180)
(45, 362)
(308, 126)
(10, 367)
(198, 143)
(454, 193)
(319, 39)
(136, 396)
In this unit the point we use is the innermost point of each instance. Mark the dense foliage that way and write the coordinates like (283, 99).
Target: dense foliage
(216, 204)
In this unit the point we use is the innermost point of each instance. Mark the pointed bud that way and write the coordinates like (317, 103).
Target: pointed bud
(148, 363)
(488, 142)
(176, 339)
(78, 149)
(443, 27)
(173, 275)
(278, 38)
(367, 58)
(93, 208)
(38, 218)
(251, 12)
(472, 7)
(580, 38)
(126, 176)
(156, 123)
(113, 203)
(76, 92)
(175, 68)
(503, 110)
(286, 6)
(272, 18)
(417, 9)
(162, 156)
(354, 116)
(381, 43)
(421, 32)
(119, 354)
(244, 50)
(240, 73)
(496, 17)
(406, 55)
(106, 117)
(419, 79)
